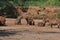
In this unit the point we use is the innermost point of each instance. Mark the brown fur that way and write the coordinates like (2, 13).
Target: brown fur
(29, 20)
(2, 20)
(54, 22)
(41, 23)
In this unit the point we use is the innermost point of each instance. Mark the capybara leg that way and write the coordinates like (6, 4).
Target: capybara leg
(18, 21)
(30, 23)
(33, 23)
(51, 25)
(58, 25)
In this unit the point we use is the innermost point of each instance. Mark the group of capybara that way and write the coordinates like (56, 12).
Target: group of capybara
(30, 20)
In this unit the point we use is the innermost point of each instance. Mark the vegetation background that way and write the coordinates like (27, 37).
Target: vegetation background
(13, 3)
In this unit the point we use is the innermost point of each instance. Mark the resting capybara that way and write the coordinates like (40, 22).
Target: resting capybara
(2, 20)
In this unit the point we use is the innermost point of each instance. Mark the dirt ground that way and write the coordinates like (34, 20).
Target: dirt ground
(27, 32)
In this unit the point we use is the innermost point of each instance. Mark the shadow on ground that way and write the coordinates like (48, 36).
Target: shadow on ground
(7, 33)
(41, 32)
(14, 32)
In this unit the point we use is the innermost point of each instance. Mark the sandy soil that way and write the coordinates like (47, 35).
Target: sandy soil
(27, 32)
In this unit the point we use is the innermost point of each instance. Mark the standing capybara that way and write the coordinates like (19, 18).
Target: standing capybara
(54, 23)
(2, 20)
